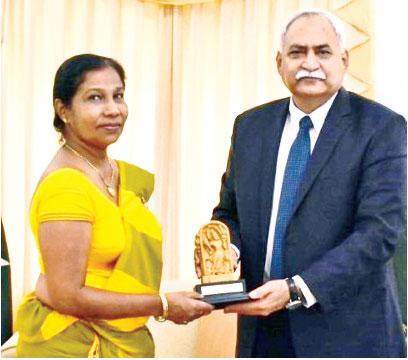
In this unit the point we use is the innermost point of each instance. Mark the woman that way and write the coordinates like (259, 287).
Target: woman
(100, 246)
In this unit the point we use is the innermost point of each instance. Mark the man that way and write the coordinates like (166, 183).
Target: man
(314, 196)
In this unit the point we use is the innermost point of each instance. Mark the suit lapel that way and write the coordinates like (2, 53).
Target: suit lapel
(337, 121)
(271, 135)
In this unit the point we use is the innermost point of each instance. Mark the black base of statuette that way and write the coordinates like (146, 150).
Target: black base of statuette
(221, 294)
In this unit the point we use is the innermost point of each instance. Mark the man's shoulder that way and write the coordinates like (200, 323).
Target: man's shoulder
(262, 115)
(370, 108)
(270, 107)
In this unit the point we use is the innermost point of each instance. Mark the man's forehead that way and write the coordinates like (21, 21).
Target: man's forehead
(313, 20)
(311, 31)
(309, 45)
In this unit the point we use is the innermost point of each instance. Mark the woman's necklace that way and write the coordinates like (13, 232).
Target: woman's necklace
(109, 186)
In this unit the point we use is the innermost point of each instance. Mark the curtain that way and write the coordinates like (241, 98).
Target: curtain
(224, 63)
(38, 36)
(178, 2)
(191, 70)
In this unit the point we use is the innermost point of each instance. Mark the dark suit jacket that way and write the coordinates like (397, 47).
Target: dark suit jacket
(346, 223)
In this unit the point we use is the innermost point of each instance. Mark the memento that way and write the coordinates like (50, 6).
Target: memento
(218, 286)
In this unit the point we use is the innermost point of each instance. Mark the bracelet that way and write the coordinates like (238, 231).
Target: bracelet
(165, 306)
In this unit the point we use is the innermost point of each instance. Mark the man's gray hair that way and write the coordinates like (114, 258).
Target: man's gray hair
(333, 20)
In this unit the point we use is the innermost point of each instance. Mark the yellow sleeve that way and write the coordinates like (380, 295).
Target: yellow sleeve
(65, 195)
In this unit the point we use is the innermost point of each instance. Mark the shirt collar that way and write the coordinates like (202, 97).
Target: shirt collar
(317, 116)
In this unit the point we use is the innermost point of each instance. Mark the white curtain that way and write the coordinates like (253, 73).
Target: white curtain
(37, 37)
(191, 70)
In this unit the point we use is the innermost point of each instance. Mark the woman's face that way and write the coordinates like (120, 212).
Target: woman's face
(98, 110)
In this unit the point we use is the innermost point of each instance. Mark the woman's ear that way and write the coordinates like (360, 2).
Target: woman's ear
(61, 110)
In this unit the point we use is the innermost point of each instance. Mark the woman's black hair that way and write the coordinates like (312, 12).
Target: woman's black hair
(71, 75)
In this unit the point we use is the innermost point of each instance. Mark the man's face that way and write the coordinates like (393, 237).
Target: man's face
(312, 64)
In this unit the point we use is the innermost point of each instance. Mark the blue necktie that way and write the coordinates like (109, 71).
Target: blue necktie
(295, 166)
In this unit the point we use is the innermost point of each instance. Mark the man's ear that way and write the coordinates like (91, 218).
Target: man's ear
(279, 62)
(345, 59)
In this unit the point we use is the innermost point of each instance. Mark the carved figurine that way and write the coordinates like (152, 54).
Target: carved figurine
(213, 247)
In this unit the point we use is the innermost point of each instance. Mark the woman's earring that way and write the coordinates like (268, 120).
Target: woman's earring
(61, 139)
(64, 120)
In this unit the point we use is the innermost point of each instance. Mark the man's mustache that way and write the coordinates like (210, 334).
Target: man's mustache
(317, 74)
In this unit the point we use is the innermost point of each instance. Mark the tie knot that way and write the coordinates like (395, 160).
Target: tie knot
(306, 123)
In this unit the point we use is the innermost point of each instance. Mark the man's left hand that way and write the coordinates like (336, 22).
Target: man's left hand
(266, 299)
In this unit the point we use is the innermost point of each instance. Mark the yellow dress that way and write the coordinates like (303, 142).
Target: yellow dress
(125, 256)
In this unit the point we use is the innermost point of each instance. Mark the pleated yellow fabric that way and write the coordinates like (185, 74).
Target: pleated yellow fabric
(127, 235)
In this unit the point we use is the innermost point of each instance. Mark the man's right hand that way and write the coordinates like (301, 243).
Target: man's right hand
(197, 261)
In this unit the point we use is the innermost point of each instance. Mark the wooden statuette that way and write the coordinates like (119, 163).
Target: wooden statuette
(212, 246)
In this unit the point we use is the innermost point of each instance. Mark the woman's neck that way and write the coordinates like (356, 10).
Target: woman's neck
(98, 156)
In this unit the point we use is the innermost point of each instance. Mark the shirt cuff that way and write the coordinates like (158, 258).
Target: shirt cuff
(233, 247)
(309, 297)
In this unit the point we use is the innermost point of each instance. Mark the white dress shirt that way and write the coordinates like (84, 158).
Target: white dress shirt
(289, 134)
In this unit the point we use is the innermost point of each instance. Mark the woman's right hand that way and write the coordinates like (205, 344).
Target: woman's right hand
(186, 306)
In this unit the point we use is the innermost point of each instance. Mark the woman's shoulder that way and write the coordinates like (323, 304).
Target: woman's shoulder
(62, 177)
(134, 169)
(63, 194)
(62, 172)
(136, 179)
(64, 185)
